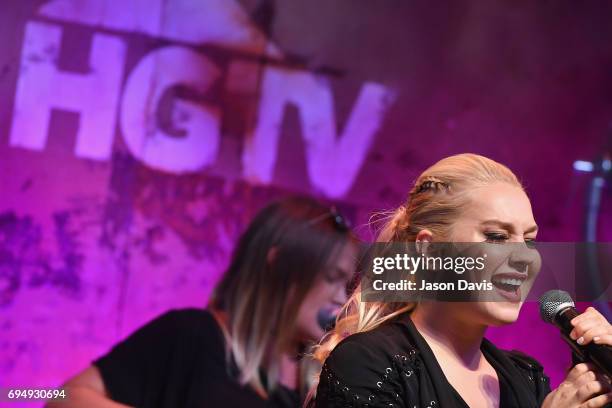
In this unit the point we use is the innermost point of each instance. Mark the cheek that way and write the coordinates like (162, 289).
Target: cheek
(306, 320)
(321, 292)
(306, 316)
(320, 296)
(314, 300)
(306, 323)
(496, 257)
(534, 268)
(317, 297)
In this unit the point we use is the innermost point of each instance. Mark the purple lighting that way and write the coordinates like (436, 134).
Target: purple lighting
(138, 138)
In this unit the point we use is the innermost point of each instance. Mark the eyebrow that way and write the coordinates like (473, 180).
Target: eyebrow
(508, 226)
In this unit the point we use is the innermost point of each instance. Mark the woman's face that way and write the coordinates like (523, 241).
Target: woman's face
(500, 213)
(327, 294)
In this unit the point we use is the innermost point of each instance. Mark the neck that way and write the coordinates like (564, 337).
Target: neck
(444, 330)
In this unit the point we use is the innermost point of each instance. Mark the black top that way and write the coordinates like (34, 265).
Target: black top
(393, 366)
(178, 360)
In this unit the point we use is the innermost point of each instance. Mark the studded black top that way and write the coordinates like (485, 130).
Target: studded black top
(392, 366)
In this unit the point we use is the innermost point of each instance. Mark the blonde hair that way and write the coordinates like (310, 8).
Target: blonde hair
(435, 201)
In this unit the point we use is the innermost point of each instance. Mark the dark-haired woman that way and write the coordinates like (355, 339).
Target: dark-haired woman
(290, 267)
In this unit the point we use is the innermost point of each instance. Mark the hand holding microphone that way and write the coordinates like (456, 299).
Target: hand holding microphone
(591, 326)
(589, 334)
(584, 387)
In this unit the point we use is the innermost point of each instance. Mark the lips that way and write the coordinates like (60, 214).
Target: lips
(508, 285)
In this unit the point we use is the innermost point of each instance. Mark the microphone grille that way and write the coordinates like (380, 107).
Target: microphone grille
(553, 301)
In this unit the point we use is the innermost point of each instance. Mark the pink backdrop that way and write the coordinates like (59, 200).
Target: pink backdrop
(137, 138)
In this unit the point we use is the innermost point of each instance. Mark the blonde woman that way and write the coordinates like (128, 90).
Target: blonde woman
(290, 267)
(434, 354)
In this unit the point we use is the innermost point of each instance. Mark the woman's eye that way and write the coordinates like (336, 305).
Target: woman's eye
(495, 237)
(531, 243)
(331, 278)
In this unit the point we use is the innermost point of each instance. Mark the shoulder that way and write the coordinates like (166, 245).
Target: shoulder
(523, 360)
(529, 366)
(191, 326)
(371, 351)
(519, 359)
(188, 318)
(170, 329)
(532, 370)
(374, 367)
(156, 351)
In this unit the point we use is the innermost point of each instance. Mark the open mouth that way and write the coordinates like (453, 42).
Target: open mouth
(507, 284)
(509, 287)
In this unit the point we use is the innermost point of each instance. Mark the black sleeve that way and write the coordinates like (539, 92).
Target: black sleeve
(535, 373)
(137, 369)
(357, 375)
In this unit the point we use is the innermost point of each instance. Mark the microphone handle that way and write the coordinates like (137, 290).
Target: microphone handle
(598, 354)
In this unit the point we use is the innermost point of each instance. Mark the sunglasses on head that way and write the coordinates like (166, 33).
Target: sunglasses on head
(340, 222)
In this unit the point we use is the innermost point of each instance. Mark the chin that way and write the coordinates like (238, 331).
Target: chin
(310, 334)
(502, 313)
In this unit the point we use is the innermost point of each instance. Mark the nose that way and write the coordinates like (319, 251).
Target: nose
(522, 257)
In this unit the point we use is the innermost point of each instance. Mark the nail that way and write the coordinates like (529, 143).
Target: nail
(596, 338)
(580, 340)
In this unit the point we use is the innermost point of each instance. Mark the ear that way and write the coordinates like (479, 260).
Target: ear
(271, 255)
(423, 238)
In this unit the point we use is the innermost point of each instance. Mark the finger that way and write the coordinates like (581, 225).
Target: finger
(577, 371)
(599, 401)
(601, 377)
(595, 312)
(582, 315)
(591, 389)
(596, 374)
(584, 326)
(603, 339)
(585, 378)
(589, 313)
(596, 331)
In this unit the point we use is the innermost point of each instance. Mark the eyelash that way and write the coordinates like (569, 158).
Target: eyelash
(497, 237)
(331, 278)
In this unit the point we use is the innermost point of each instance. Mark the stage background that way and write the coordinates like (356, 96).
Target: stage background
(137, 138)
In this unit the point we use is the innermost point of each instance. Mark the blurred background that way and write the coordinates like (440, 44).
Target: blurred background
(137, 139)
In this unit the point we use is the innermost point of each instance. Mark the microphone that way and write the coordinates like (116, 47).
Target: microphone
(326, 319)
(557, 307)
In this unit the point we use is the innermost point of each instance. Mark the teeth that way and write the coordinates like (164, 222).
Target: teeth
(507, 281)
